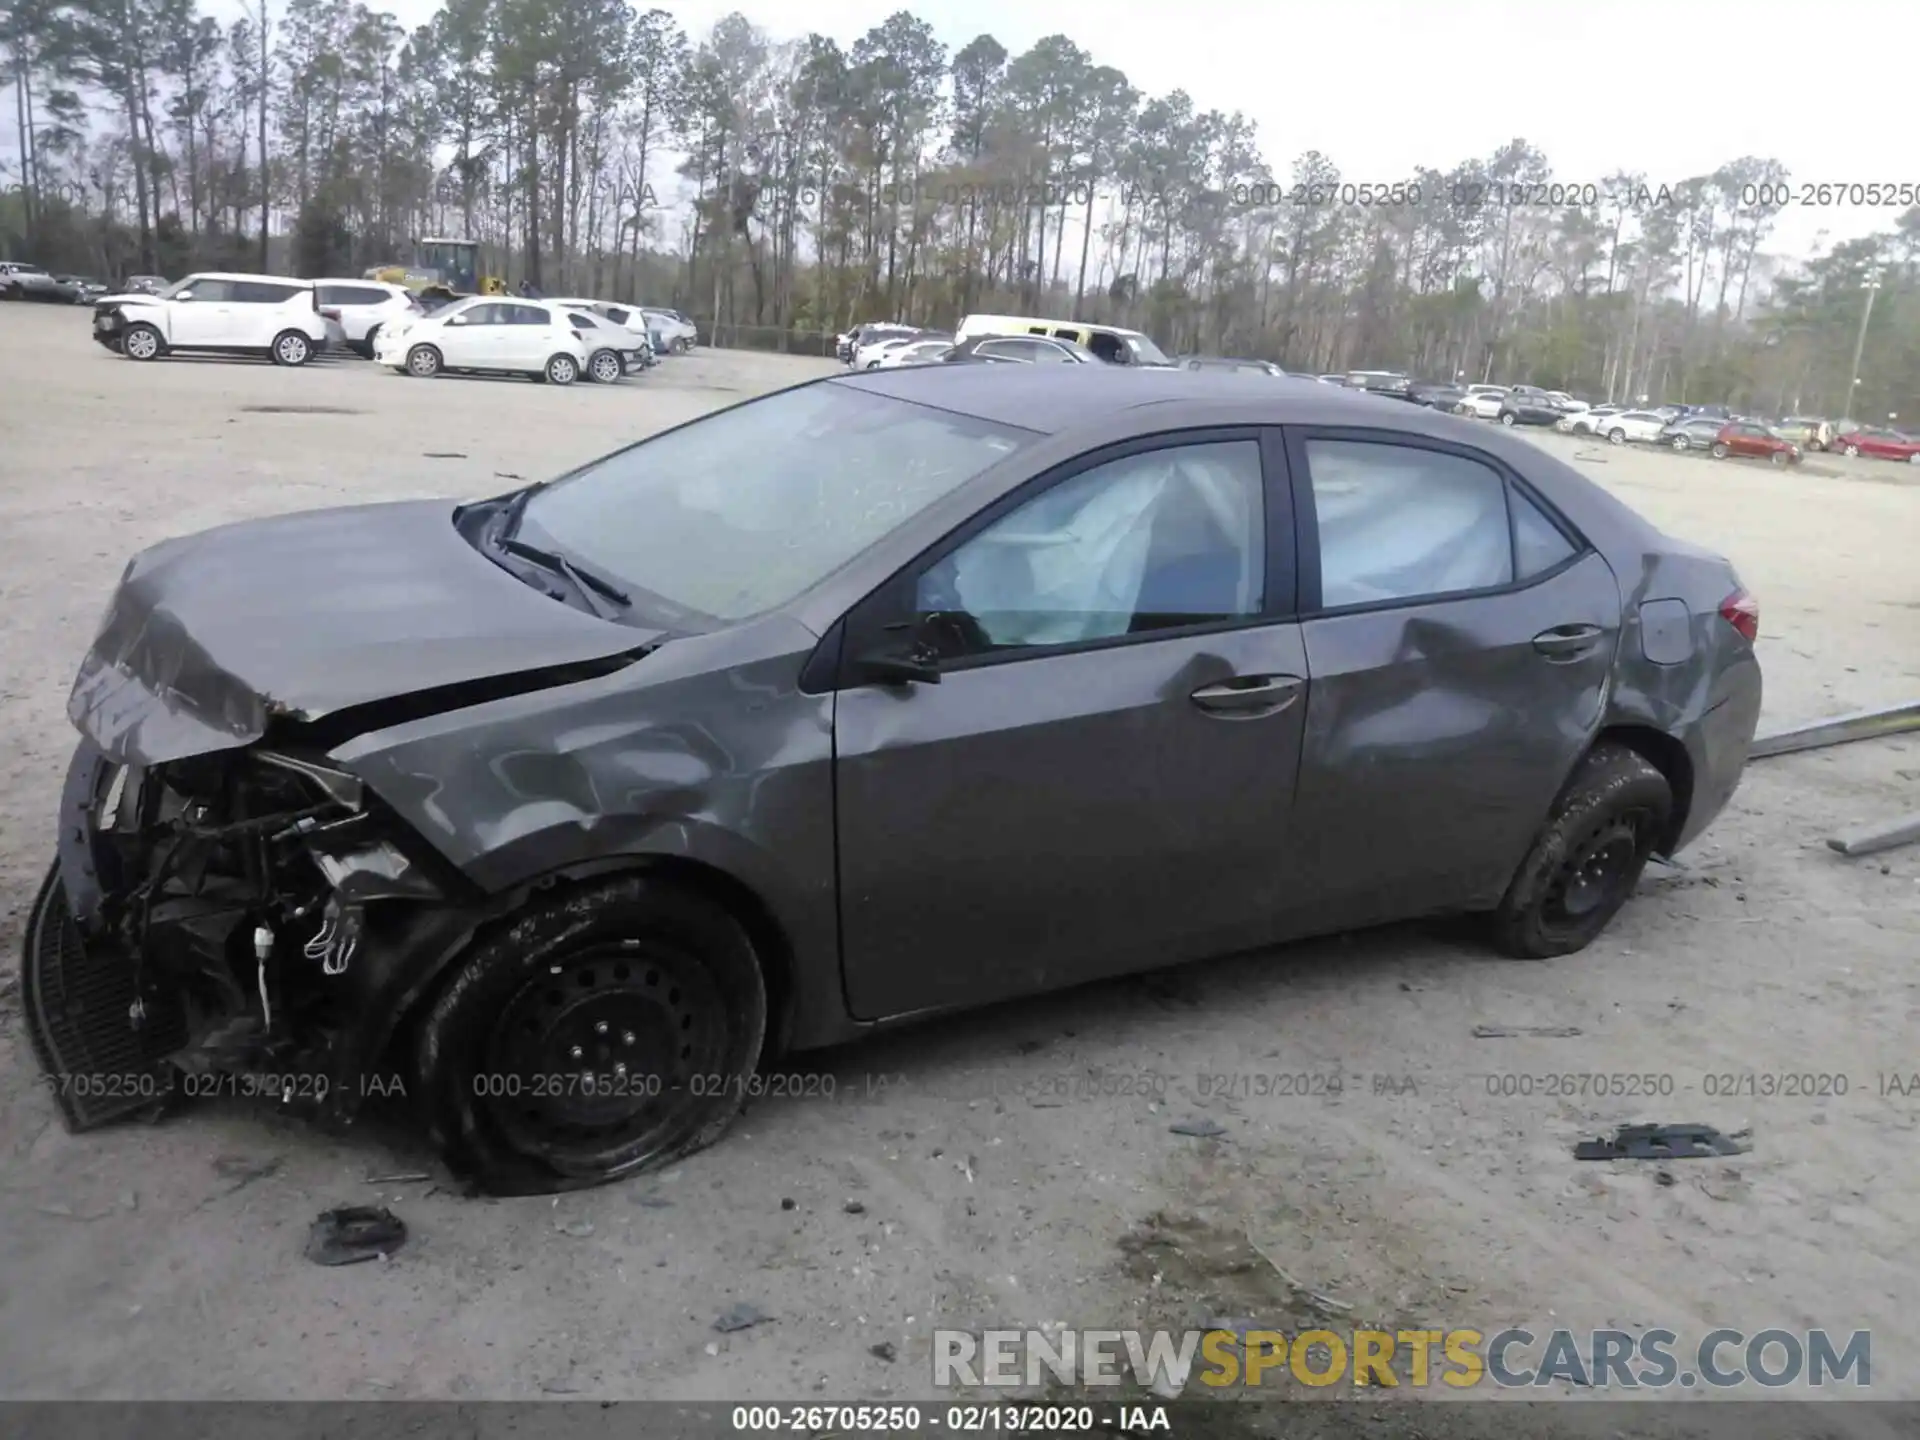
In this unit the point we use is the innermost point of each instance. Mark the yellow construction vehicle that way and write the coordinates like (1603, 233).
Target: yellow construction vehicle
(442, 270)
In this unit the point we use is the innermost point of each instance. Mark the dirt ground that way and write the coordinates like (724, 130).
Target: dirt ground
(164, 1261)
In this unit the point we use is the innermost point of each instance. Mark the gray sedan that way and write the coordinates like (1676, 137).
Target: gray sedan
(564, 812)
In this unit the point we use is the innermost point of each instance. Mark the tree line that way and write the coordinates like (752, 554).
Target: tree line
(779, 190)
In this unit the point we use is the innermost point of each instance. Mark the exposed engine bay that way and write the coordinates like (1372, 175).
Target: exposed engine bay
(200, 933)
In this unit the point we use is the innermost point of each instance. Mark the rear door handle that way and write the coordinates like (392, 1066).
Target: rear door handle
(1249, 696)
(1567, 642)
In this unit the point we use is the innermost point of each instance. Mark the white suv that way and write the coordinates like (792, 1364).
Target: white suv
(486, 333)
(220, 313)
(679, 333)
(363, 306)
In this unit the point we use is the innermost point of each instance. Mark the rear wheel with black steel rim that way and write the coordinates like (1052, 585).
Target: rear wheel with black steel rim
(611, 1029)
(1588, 858)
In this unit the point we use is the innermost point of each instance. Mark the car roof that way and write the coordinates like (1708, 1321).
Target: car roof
(1049, 399)
(247, 276)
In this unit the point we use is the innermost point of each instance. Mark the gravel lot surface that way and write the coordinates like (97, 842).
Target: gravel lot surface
(164, 1261)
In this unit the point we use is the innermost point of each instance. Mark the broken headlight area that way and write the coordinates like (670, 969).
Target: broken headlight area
(203, 920)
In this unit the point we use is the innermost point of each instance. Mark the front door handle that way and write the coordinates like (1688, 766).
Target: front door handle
(1567, 642)
(1249, 696)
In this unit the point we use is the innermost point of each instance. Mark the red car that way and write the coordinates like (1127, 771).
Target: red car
(1745, 437)
(1882, 444)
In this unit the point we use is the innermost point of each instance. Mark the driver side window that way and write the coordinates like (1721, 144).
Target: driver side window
(1161, 538)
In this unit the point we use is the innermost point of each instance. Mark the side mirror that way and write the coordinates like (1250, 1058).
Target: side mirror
(903, 663)
(184, 295)
(456, 319)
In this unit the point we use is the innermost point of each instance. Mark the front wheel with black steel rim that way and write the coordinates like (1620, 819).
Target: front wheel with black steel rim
(611, 1028)
(561, 370)
(423, 361)
(604, 367)
(292, 348)
(142, 342)
(1588, 858)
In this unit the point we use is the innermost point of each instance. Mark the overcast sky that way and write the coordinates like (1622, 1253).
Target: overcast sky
(1384, 85)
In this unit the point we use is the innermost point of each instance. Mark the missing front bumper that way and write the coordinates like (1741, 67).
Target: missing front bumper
(102, 1037)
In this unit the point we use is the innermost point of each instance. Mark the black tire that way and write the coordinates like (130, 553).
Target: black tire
(142, 342)
(640, 961)
(1680, 442)
(561, 370)
(1780, 457)
(1587, 859)
(604, 367)
(1719, 451)
(292, 348)
(1616, 436)
(1852, 452)
(368, 344)
(423, 362)
(1508, 418)
(680, 345)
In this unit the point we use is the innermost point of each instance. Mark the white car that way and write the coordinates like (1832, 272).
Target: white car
(218, 313)
(679, 333)
(629, 318)
(1567, 403)
(914, 352)
(364, 306)
(1587, 422)
(1483, 401)
(612, 350)
(1640, 425)
(486, 333)
(868, 357)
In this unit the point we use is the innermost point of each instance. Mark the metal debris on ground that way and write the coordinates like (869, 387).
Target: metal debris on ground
(1871, 839)
(883, 1351)
(353, 1233)
(1201, 1129)
(854, 1207)
(1664, 1142)
(407, 1178)
(740, 1317)
(1531, 1032)
(1841, 730)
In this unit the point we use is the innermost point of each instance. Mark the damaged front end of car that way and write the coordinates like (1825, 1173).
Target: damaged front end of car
(234, 923)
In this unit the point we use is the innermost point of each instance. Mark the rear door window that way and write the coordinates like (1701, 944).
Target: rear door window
(264, 292)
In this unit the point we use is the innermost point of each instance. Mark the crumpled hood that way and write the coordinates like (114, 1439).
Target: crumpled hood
(210, 636)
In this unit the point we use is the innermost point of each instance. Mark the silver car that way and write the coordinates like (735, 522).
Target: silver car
(565, 812)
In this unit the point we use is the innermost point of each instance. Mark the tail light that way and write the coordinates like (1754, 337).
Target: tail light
(1742, 612)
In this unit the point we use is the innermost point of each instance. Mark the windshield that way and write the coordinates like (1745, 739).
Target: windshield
(741, 511)
(1145, 352)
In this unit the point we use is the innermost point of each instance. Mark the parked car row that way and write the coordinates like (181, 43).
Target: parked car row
(1021, 339)
(290, 321)
(19, 281)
